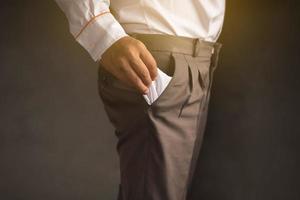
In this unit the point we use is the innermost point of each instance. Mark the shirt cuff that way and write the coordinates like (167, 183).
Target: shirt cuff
(100, 34)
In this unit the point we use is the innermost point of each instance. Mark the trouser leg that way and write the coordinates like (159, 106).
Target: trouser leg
(158, 144)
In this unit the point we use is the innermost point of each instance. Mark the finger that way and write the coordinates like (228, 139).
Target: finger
(133, 78)
(141, 70)
(150, 63)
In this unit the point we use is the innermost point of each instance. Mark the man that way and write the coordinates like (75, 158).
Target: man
(158, 143)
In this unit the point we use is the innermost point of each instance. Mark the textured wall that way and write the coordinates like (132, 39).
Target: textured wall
(57, 143)
(251, 149)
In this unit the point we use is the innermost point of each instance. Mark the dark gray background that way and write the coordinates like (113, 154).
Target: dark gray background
(57, 143)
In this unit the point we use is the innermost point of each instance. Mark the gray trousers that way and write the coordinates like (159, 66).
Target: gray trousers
(158, 144)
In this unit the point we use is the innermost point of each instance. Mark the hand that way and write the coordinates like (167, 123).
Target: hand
(129, 60)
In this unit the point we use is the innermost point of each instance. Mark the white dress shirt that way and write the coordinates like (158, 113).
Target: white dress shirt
(97, 24)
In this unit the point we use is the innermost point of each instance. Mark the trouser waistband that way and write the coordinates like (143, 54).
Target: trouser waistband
(179, 44)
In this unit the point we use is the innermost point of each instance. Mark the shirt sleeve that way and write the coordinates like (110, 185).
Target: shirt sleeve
(92, 24)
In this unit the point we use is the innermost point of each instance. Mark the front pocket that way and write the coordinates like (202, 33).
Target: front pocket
(177, 79)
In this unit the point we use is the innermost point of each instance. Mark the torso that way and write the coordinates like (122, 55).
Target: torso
(190, 18)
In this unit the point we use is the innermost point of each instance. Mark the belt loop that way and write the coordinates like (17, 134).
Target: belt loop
(195, 47)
